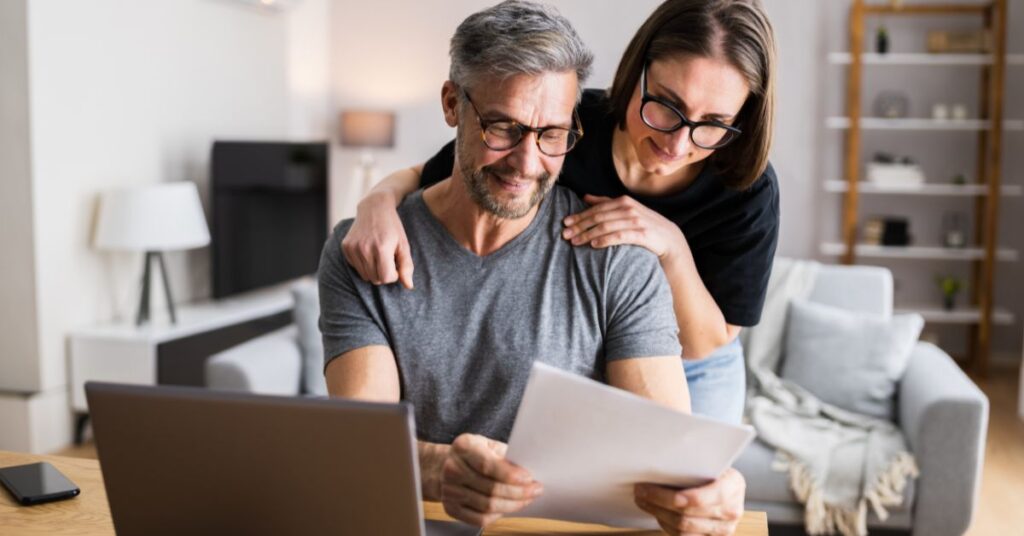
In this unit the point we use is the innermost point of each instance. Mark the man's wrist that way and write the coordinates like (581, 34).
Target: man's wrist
(432, 457)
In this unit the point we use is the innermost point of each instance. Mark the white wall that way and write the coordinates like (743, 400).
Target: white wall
(19, 369)
(133, 93)
(122, 93)
(310, 112)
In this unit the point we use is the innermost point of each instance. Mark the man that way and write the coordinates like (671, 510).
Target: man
(496, 287)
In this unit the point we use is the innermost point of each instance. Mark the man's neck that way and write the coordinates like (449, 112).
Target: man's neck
(473, 228)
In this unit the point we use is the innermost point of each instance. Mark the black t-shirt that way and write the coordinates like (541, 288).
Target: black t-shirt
(731, 234)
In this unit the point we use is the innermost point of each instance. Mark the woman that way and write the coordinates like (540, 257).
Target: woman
(674, 158)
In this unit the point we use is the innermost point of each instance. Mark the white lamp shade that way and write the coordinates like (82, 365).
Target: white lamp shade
(161, 217)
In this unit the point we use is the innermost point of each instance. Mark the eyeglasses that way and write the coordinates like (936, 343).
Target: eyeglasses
(504, 134)
(662, 116)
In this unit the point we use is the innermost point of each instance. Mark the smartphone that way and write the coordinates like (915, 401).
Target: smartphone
(37, 483)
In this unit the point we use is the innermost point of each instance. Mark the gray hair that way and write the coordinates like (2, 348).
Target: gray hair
(517, 37)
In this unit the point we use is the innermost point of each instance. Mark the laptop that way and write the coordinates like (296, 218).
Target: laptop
(182, 460)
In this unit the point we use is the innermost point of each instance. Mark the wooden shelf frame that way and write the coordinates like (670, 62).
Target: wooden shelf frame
(990, 137)
(923, 59)
(928, 253)
(926, 189)
(960, 315)
(926, 9)
(922, 123)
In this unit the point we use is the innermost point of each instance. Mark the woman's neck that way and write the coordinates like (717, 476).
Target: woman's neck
(642, 182)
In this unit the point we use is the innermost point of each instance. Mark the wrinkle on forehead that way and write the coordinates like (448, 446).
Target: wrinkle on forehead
(532, 100)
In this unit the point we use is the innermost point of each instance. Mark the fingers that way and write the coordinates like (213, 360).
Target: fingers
(674, 522)
(612, 233)
(661, 496)
(500, 498)
(479, 485)
(355, 259)
(459, 473)
(714, 508)
(668, 520)
(405, 268)
(727, 492)
(606, 205)
(381, 263)
(482, 456)
(384, 269)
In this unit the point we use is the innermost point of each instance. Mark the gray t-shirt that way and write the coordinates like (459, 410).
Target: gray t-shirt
(466, 337)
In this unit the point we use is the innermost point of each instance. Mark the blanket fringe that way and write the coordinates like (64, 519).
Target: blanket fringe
(887, 490)
(821, 518)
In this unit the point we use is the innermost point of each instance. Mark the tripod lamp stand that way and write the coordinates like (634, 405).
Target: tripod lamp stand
(152, 219)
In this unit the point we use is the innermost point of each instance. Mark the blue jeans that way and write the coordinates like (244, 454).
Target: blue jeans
(718, 383)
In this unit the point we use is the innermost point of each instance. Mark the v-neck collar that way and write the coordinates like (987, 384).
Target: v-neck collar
(453, 246)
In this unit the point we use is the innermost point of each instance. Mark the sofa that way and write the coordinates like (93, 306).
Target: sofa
(943, 415)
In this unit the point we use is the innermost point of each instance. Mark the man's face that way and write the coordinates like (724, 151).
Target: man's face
(509, 183)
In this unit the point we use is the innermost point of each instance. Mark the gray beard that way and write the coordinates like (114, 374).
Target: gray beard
(476, 182)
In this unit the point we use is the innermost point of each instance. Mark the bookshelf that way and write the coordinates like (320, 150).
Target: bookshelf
(988, 129)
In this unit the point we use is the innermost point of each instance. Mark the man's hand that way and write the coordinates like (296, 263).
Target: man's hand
(714, 508)
(478, 485)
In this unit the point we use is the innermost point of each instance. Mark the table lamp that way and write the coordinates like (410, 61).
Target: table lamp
(367, 129)
(152, 219)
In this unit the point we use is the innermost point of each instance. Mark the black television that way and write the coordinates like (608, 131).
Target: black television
(269, 212)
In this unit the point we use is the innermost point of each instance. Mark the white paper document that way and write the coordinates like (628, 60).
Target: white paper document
(589, 443)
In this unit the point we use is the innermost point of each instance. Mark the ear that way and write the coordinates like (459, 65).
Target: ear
(450, 103)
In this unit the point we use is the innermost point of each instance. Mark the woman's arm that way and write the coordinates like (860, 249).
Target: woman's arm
(702, 326)
(624, 220)
(376, 245)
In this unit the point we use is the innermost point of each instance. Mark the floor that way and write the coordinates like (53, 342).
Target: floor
(1001, 509)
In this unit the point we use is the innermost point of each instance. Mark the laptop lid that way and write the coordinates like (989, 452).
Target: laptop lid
(180, 460)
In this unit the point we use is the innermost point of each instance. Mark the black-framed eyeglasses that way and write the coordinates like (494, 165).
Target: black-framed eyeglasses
(504, 134)
(663, 116)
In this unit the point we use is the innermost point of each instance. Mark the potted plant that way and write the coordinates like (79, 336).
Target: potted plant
(950, 287)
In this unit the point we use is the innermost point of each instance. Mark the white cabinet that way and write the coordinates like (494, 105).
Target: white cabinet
(171, 354)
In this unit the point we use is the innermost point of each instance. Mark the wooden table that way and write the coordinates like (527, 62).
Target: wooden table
(89, 515)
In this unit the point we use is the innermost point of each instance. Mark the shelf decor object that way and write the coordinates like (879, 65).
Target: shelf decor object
(986, 50)
(152, 219)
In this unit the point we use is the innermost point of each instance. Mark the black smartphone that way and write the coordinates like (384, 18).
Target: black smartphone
(37, 483)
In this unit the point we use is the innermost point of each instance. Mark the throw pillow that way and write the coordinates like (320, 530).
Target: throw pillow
(307, 319)
(848, 359)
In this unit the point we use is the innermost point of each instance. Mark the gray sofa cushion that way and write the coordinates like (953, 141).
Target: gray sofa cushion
(307, 319)
(847, 359)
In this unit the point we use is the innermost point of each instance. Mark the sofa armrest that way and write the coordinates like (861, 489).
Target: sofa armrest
(945, 418)
(268, 364)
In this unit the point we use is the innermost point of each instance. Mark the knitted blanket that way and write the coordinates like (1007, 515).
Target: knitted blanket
(840, 463)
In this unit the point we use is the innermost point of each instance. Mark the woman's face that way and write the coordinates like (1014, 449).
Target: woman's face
(703, 89)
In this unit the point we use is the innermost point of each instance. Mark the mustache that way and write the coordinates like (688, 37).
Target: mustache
(510, 174)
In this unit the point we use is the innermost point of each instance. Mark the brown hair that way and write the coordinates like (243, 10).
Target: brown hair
(739, 32)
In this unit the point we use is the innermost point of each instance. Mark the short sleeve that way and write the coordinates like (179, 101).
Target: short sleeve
(439, 167)
(348, 318)
(640, 319)
(736, 262)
